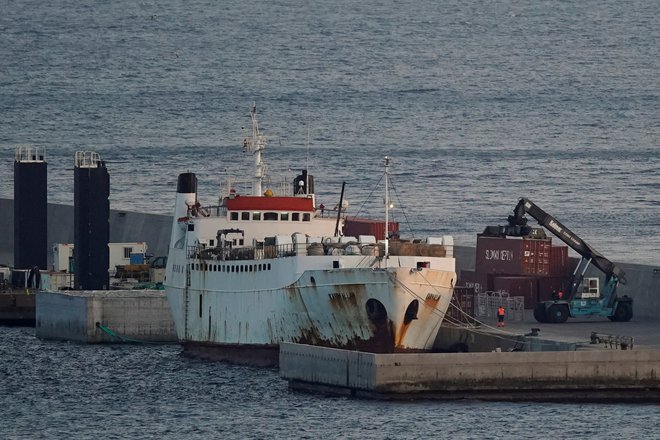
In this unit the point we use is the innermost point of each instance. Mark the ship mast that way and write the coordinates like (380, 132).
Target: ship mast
(387, 207)
(256, 145)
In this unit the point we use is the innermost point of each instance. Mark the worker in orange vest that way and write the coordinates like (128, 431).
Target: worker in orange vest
(500, 316)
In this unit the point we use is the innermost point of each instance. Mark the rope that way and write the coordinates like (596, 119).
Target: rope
(504, 335)
(403, 208)
(369, 196)
(123, 338)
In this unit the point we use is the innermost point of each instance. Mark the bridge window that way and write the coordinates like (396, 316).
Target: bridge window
(270, 216)
(256, 216)
(233, 216)
(284, 216)
(306, 216)
(245, 216)
(295, 217)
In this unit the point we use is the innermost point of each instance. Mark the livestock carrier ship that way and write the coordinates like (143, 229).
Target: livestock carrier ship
(268, 266)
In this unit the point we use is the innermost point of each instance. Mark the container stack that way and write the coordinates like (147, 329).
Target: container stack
(531, 268)
(354, 227)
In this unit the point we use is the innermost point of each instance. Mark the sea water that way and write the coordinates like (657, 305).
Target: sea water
(477, 104)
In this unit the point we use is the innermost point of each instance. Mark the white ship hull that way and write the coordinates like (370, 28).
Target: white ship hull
(224, 314)
(263, 268)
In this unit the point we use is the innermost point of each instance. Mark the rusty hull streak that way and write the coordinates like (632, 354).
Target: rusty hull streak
(428, 305)
(345, 297)
(382, 340)
(401, 333)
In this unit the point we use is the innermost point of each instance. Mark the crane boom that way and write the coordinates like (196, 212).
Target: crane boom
(526, 206)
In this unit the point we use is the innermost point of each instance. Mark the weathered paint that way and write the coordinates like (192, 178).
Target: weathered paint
(258, 300)
(329, 312)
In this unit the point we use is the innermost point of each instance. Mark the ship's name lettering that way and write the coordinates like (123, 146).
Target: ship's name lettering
(499, 254)
(433, 297)
(341, 295)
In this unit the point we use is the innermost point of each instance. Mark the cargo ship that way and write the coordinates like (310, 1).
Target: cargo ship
(266, 265)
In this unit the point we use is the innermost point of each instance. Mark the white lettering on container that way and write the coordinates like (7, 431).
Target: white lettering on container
(499, 254)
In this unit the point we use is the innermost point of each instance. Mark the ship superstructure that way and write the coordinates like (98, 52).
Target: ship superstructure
(268, 267)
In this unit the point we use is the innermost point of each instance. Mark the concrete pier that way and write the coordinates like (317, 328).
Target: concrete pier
(17, 308)
(597, 375)
(97, 316)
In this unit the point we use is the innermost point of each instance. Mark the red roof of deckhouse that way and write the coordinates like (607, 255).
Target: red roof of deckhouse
(255, 203)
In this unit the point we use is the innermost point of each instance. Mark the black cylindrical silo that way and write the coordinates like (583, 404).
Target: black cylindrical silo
(91, 256)
(30, 208)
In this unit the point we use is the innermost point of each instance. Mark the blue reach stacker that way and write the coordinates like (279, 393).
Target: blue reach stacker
(590, 300)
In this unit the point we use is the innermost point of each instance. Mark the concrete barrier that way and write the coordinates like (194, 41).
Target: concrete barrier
(17, 309)
(604, 375)
(140, 315)
(643, 287)
(464, 339)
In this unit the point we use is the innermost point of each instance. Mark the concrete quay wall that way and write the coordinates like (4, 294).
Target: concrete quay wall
(604, 375)
(17, 308)
(141, 315)
(643, 286)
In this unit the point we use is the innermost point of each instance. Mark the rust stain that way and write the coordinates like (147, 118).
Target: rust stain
(345, 296)
(382, 340)
(401, 334)
(431, 301)
(292, 291)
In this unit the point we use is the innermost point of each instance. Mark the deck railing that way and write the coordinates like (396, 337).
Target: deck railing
(228, 253)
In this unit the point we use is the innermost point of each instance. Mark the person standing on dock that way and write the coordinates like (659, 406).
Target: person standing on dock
(500, 316)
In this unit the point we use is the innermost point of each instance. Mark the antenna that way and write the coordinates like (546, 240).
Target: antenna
(307, 160)
(387, 208)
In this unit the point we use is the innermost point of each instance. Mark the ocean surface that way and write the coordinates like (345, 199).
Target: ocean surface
(477, 104)
(70, 391)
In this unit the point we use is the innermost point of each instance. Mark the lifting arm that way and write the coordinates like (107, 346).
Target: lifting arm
(526, 206)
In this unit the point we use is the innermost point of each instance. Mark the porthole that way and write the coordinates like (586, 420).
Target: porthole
(376, 310)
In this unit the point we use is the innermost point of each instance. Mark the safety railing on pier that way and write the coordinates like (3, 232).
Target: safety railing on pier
(487, 304)
(87, 159)
(30, 153)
